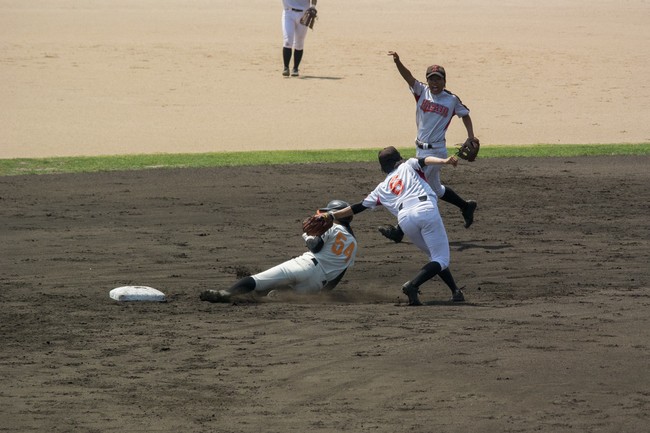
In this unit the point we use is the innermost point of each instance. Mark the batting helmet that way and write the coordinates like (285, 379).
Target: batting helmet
(337, 205)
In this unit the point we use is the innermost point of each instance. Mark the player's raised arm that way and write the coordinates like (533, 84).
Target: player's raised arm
(404, 72)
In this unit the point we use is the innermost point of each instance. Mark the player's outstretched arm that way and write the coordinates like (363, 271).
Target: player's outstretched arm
(404, 72)
(434, 160)
(346, 212)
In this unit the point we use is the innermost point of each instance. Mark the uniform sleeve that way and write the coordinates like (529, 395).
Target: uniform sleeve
(417, 89)
(372, 200)
(460, 109)
(414, 163)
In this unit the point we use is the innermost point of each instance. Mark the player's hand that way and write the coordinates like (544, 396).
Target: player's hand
(452, 160)
(395, 55)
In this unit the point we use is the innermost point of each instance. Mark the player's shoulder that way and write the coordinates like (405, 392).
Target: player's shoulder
(346, 229)
(418, 87)
(412, 163)
(449, 94)
(452, 95)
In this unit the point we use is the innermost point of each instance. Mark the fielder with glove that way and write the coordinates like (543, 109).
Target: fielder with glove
(435, 108)
(298, 16)
(410, 198)
(331, 253)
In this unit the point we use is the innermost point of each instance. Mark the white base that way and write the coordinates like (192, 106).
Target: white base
(137, 293)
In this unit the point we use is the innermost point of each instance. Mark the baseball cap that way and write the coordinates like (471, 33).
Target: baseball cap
(436, 70)
(388, 157)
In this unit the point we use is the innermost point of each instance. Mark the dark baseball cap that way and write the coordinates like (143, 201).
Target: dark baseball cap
(436, 70)
(388, 157)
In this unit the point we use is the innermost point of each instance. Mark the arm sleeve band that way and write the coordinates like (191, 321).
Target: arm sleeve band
(358, 207)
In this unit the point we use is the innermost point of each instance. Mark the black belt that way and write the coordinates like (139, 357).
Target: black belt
(297, 10)
(421, 198)
(422, 145)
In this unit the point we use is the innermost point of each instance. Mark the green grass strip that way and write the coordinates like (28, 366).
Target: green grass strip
(86, 164)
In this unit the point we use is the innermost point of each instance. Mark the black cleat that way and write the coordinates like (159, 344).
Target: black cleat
(412, 293)
(468, 213)
(458, 296)
(393, 233)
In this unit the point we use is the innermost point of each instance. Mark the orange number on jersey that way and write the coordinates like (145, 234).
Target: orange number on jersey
(396, 185)
(338, 246)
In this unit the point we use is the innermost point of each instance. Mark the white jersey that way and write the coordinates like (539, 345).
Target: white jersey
(403, 186)
(311, 272)
(296, 4)
(407, 195)
(338, 252)
(434, 113)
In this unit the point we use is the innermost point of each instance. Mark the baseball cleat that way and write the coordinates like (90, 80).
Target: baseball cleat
(285, 72)
(215, 296)
(412, 293)
(458, 296)
(294, 72)
(393, 233)
(468, 213)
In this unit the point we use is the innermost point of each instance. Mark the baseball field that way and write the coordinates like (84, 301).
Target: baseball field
(554, 336)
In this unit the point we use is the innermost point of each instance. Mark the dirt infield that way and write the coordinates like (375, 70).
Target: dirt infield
(554, 336)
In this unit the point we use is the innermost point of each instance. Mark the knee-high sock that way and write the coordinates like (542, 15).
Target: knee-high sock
(427, 272)
(244, 285)
(451, 197)
(297, 57)
(448, 279)
(286, 56)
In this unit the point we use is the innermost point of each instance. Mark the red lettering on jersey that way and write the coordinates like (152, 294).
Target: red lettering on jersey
(396, 185)
(431, 107)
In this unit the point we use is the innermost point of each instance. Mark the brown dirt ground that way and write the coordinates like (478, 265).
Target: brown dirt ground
(554, 336)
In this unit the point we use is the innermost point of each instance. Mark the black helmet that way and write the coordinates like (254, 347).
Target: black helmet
(337, 205)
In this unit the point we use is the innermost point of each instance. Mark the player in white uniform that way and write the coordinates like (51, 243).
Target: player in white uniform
(407, 195)
(320, 268)
(294, 33)
(435, 108)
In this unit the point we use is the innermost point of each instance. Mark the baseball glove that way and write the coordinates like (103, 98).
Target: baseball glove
(317, 224)
(469, 149)
(309, 17)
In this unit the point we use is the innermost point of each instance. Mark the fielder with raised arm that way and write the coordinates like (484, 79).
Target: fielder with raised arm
(435, 108)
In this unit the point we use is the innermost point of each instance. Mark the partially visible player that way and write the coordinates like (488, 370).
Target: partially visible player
(321, 268)
(435, 108)
(406, 194)
(294, 33)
